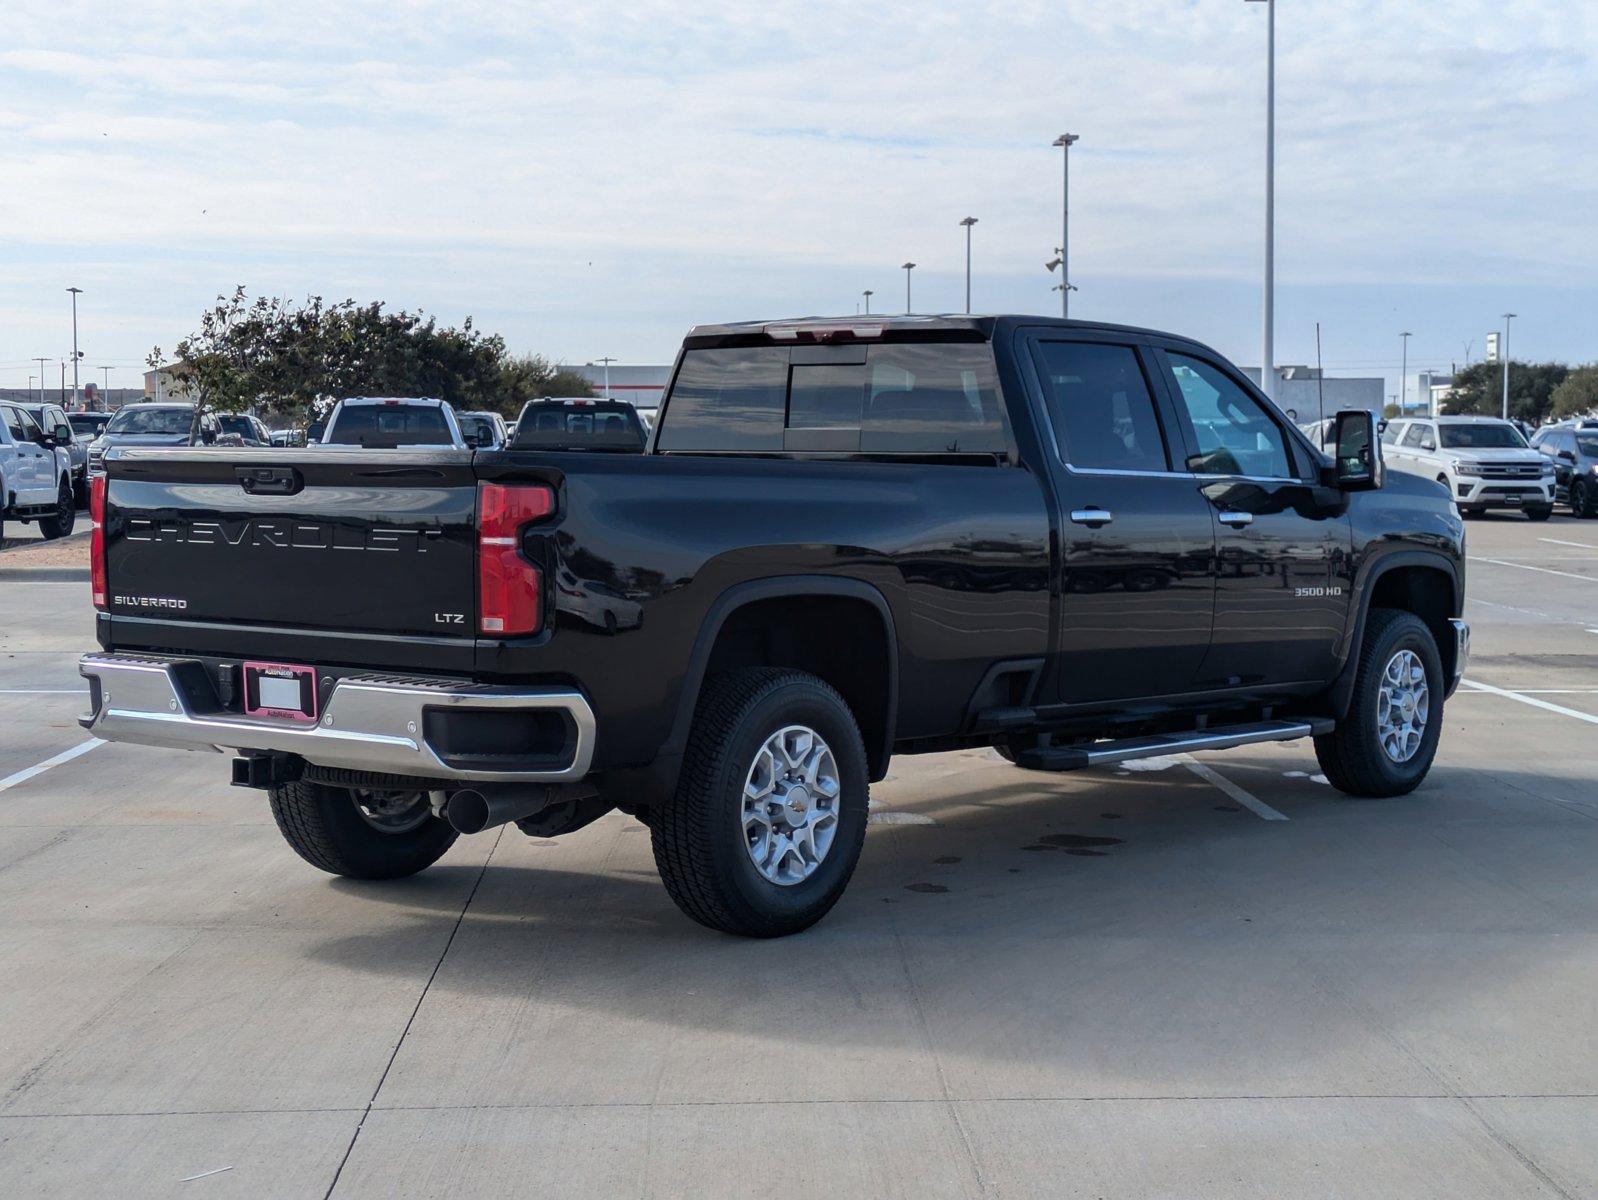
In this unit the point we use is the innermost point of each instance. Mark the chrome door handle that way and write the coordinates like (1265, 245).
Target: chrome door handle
(1092, 516)
(1236, 518)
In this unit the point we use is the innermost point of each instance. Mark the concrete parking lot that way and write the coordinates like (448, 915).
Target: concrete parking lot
(1176, 980)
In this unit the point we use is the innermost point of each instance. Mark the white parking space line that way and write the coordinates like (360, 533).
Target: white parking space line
(82, 748)
(1215, 779)
(1471, 691)
(1498, 562)
(43, 691)
(1531, 700)
(1562, 542)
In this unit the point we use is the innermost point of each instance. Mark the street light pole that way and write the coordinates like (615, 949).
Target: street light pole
(1064, 141)
(1508, 317)
(41, 360)
(868, 293)
(76, 292)
(968, 222)
(606, 363)
(908, 267)
(1403, 376)
(1267, 349)
(105, 392)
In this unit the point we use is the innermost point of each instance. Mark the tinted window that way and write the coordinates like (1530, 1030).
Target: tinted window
(1587, 444)
(13, 420)
(1414, 435)
(1486, 436)
(241, 425)
(1100, 404)
(1391, 434)
(30, 427)
(932, 399)
(1233, 432)
(388, 426)
(726, 400)
(480, 428)
(85, 422)
(594, 426)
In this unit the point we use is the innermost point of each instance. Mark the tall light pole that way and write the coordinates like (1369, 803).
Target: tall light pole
(30, 390)
(908, 267)
(868, 293)
(606, 363)
(1508, 317)
(968, 222)
(76, 292)
(41, 360)
(1064, 141)
(105, 396)
(1403, 375)
(1267, 349)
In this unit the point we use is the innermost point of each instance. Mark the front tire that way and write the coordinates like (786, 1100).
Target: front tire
(66, 514)
(1539, 514)
(359, 835)
(1581, 499)
(769, 816)
(1386, 743)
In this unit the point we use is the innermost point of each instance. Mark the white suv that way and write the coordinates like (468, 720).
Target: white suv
(1482, 461)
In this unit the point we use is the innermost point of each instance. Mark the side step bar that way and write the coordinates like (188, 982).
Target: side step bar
(1220, 737)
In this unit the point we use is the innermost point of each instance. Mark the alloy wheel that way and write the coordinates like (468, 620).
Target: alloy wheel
(790, 805)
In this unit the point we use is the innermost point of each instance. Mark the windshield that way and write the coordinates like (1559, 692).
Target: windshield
(172, 421)
(612, 427)
(233, 423)
(1481, 437)
(389, 426)
(85, 422)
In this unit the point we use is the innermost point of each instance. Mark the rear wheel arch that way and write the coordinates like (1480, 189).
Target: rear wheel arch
(840, 630)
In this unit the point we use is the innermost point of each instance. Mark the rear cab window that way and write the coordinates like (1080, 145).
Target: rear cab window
(925, 398)
(389, 426)
(580, 425)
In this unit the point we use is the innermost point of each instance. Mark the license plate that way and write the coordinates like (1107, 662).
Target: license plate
(280, 690)
(1511, 500)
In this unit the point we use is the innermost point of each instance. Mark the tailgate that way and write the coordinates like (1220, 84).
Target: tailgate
(376, 542)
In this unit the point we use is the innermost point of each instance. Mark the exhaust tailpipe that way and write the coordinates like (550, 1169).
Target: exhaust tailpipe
(472, 810)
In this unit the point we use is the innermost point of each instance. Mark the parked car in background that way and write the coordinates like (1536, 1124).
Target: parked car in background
(1321, 432)
(1484, 462)
(154, 424)
(241, 429)
(483, 430)
(88, 425)
(51, 417)
(1573, 451)
(576, 423)
(390, 422)
(35, 473)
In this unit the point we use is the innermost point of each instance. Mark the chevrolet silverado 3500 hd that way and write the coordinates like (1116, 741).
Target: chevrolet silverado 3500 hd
(847, 539)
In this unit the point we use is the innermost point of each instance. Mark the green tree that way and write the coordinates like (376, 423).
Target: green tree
(1479, 389)
(1577, 396)
(296, 358)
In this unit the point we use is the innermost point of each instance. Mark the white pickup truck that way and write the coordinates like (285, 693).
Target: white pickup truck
(35, 474)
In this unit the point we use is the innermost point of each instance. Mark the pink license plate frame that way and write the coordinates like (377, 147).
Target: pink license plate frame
(280, 673)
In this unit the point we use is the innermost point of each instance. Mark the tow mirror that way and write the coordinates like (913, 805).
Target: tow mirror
(1358, 452)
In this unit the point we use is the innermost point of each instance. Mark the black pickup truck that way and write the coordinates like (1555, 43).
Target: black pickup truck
(847, 539)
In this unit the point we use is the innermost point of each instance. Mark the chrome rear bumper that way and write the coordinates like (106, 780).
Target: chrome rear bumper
(368, 722)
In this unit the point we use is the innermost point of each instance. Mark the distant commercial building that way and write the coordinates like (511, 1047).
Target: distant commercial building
(160, 383)
(1301, 392)
(640, 386)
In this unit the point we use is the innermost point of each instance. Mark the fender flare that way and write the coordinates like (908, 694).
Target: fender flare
(1374, 567)
(771, 588)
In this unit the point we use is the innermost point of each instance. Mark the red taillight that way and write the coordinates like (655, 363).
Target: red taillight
(97, 540)
(510, 589)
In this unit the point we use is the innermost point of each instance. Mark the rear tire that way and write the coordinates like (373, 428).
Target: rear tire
(1353, 756)
(705, 845)
(66, 514)
(327, 828)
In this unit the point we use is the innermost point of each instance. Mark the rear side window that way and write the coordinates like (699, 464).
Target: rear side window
(1413, 435)
(13, 421)
(1101, 407)
(923, 398)
(1391, 433)
(387, 427)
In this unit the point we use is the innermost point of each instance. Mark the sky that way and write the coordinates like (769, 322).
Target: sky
(594, 179)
